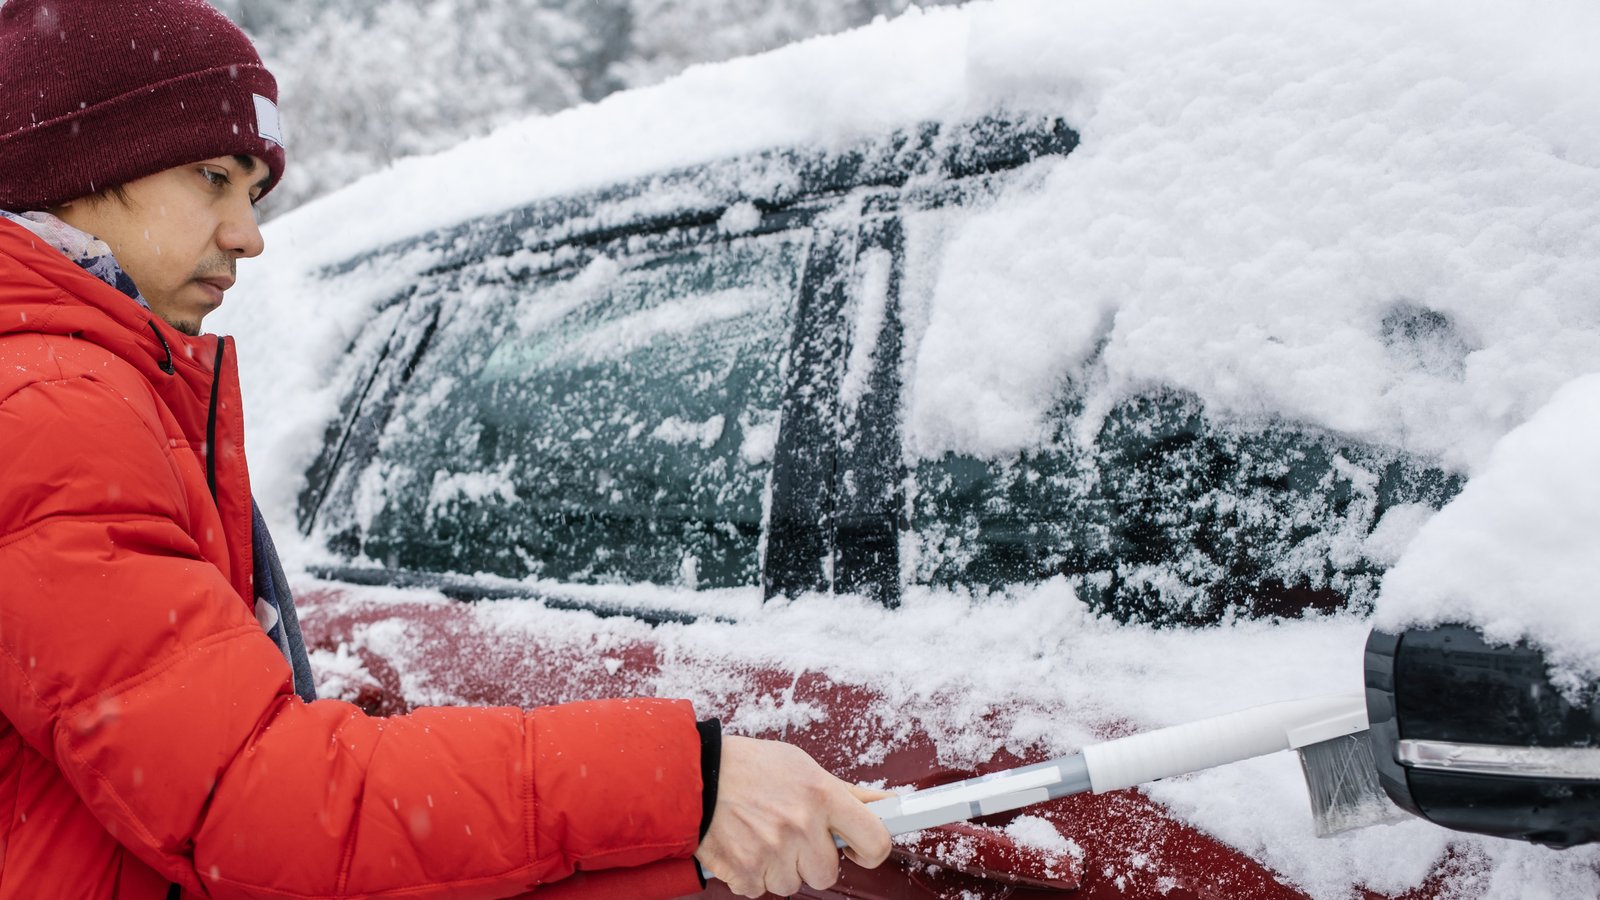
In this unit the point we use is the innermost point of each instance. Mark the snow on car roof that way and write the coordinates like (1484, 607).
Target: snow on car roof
(1378, 219)
(1374, 220)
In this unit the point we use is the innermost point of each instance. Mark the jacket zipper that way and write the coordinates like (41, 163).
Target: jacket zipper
(211, 421)
(166, 364)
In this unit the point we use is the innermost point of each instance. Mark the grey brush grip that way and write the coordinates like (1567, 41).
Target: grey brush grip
(983, 796)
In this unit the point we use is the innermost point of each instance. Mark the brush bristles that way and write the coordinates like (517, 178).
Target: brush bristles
(1343, 784)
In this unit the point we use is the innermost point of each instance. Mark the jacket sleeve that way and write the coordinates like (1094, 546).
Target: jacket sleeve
(129, 662)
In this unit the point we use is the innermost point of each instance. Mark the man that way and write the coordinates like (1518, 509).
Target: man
(158, 731)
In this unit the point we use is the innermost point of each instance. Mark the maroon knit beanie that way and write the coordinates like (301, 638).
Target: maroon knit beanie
(97, 93)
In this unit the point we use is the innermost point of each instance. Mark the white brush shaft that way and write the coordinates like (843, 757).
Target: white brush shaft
(1194, 746)
(977, 790)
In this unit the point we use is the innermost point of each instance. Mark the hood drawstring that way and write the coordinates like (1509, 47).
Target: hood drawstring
(166, 365)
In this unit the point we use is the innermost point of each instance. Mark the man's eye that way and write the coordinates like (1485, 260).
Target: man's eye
(216, 179)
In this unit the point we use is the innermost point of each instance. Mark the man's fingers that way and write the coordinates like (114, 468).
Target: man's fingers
(865, 858)
(851, 855)
(740, 879)
(868, 795)
(783, 882)
(862, 831)
(819, 862)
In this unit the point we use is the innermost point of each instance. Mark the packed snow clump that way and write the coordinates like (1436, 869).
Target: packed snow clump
(1518, 553)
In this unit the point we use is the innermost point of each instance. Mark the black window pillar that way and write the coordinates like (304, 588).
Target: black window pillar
(837, 476)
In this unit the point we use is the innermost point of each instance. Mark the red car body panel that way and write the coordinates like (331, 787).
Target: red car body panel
(1124, 844)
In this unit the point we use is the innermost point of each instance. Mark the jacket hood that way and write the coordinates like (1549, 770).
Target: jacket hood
(45, 297)
(43, 292)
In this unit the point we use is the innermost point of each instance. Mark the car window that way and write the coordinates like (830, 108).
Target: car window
(1168, 515)
(609, 421)
(689, 380)
(1156, 508)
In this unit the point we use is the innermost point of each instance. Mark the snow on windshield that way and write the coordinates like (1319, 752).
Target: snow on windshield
(1377, 219)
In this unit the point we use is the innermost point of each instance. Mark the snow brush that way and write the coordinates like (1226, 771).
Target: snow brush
(1330, 734)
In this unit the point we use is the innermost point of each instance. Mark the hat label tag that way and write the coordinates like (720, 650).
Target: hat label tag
(267, 123)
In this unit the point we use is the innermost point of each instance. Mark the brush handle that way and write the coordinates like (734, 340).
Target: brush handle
(1129, 761)
(1193, 746)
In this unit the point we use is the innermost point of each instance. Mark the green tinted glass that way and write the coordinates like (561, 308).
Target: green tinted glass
(613, 424)
(1168, 516)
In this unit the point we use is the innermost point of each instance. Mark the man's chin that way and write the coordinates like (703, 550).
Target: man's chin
(191, 327)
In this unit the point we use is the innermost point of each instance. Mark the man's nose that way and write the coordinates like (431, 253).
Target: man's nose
(240, 234)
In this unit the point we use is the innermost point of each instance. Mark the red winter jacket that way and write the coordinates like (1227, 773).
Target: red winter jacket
(149, 734)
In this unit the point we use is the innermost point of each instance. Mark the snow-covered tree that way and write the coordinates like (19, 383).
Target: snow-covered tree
(364, 82)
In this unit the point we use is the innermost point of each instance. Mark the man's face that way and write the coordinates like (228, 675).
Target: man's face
(180, 232)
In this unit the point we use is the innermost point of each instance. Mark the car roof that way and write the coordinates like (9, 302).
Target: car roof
(1249, 198)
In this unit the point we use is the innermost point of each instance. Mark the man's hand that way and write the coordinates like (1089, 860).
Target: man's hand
(776, 814)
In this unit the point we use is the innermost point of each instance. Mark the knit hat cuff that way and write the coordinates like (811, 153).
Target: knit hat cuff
(196, 116)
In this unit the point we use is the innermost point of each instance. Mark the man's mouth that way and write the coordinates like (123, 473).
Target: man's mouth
(216, 285)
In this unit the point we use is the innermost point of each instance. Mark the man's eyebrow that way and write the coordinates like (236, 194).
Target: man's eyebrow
(248, 164)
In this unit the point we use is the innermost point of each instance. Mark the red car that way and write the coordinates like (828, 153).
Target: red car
(576, 402)
(803, 434)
